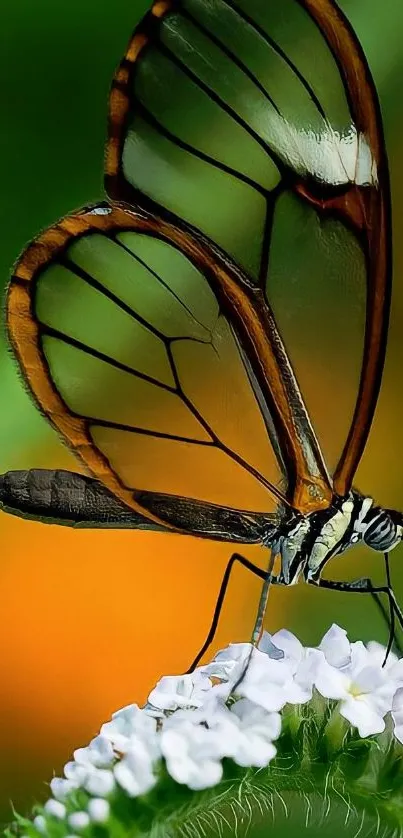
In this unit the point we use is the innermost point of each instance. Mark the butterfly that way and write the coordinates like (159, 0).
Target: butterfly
(155, 329)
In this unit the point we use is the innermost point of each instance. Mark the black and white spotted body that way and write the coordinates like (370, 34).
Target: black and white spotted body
(306, 543)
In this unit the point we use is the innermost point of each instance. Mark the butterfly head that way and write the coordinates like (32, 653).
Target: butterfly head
(383, 529)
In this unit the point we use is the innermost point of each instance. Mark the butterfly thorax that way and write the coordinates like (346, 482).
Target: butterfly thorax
(306, 543)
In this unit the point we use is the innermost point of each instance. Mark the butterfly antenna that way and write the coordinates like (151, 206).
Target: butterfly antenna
(260, 614)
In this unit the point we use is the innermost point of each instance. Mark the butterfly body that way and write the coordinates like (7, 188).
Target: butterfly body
(307, 543)
(304, 543)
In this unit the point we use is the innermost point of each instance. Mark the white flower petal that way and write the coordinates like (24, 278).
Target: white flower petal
(98, 810)
(55, 808)
(398, 731)
(134, 774)
(309, 667)
(336, 647)
(127, 722)
(361, 715)
(196, 776)
(249, 714)
(102, 751)
(369, 679)
(252, 741)
(100, 782)
(397, 705)
(267, 646)
(173, 691)
(40, 824)
(291, 646)
(61, 788)
(77, 773)
(395, 669)
(82, 756)
(237, 652)
(254, 751)
(126, 716)
(331, 682)
(272, 698)
(360, 657)
(98, 753)
(79, 820)
(193, 753)
(155, 712)
(377, 654)
(397, 714)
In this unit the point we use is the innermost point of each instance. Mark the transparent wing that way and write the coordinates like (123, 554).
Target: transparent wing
(126, 348)
(220, 116)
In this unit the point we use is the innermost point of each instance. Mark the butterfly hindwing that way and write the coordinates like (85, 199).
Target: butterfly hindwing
(127, 351)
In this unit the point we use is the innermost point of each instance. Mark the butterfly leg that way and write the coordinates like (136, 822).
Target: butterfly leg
(365, 586)
(220, 599)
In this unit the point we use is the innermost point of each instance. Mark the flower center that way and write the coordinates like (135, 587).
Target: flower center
(355, 690)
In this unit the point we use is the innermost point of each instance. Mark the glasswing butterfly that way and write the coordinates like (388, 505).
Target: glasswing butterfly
(155, 330)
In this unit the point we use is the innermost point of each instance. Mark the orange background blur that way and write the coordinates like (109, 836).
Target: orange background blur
(90, 620)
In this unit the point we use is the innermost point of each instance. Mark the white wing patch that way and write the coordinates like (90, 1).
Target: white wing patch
(330, 156)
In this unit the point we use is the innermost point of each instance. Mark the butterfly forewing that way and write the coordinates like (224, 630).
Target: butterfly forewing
(257, 125)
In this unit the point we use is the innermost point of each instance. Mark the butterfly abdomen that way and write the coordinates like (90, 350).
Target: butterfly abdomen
(62, 497)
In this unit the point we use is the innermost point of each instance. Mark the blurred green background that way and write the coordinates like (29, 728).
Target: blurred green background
(72, 645)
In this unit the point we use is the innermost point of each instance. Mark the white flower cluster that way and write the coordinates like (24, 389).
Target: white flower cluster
(189, 723)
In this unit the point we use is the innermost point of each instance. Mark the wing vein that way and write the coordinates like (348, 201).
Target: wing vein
(121, 426)
(279, 51)
(218, 443)
(101, 356)
(162, 281)
(94, 283)
(168, 53)
(169, 135)
(233, 57)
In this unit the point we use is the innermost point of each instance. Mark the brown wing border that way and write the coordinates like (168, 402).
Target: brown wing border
(368, 210)
(119, 108)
